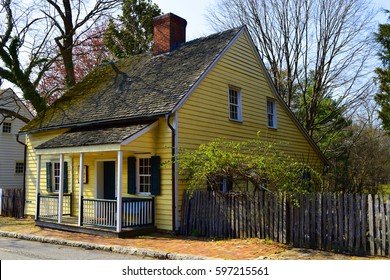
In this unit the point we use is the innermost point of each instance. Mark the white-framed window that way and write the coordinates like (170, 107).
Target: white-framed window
(271, 113)
(53, 176)
(7, 127)
(56, 176)
(19, 167)
(144, 175)
(235, 104)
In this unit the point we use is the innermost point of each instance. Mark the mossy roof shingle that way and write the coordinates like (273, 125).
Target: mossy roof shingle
(77, 137)
(138, 87)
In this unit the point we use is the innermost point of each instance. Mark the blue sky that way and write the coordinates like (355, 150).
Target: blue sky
(195, 13)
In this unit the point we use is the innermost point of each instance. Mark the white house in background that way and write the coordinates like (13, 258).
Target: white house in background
(11, 151)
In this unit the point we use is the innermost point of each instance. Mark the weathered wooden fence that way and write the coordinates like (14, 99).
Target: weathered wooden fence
(12, 203)
(347, 223)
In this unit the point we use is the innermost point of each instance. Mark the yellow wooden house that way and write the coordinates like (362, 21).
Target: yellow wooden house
(94, 157)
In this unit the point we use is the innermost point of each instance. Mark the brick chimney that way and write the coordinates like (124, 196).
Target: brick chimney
(169, 32)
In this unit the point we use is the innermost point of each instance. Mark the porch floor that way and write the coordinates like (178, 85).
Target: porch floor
(70, 224)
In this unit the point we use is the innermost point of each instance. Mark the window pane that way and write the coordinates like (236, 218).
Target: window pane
(19, 168)
(271, 113)
(7, 127)
(144, 175)
(270, 121)
(234, 105)
(56, 176)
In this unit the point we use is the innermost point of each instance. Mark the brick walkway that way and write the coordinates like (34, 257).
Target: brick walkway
(236, 249)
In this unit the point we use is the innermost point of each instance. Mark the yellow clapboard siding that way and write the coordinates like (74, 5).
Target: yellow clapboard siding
(204, 116)
(201, 120)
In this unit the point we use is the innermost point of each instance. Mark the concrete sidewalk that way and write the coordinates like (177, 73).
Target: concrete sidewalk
(166, 246)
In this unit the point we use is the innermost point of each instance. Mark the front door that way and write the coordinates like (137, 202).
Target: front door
(109, 179)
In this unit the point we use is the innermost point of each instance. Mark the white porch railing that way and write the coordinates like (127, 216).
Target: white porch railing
(99, 212)
(48, 206)
(136, 212)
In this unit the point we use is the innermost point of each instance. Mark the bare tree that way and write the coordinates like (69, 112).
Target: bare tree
(19, 40)
(33, 37)
(71, 19)
(315, 49)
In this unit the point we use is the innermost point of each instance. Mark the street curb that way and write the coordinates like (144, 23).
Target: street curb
(115, 248)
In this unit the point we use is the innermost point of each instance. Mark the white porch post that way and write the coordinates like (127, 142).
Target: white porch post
(81, 187)
(61, 188)
(119, 193)
(37, 186)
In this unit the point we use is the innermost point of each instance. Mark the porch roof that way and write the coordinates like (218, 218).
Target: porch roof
(81, 137)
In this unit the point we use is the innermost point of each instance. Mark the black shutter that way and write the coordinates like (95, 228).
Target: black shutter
(155, 178)
(49, 180)
(65, 177)
(131, 175)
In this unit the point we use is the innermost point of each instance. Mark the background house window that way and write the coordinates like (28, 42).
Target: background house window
(19, 167)
(271, 113)
(145, 175)
(7, 127)
(235, 110)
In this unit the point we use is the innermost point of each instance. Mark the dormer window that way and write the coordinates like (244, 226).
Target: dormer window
(235, 106)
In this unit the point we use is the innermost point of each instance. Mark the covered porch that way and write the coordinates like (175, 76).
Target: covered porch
(98, 216)
(66, 199)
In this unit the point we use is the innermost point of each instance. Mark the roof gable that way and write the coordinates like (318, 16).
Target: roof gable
(139, 87)
(10, 101)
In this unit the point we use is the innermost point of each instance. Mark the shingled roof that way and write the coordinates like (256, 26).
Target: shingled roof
(138, 87)
(93, 136)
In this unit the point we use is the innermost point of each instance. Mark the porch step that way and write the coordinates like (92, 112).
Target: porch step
(125, 233)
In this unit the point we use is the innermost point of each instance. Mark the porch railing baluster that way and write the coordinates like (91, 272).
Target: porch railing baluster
(48, 206)
(138, 212)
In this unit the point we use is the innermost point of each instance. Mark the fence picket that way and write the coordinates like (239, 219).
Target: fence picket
(377, 222)
(302, 221)
(364, 223)
(346, 222)
(351, 234)
(319, 221)
(358, 225)
(183, 219)
(383, 224)
(370, 219)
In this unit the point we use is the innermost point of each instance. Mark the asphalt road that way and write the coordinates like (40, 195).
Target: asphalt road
(17, 249)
